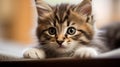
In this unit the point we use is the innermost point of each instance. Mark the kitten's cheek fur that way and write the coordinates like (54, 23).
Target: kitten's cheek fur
(85, 52)
(34, 53)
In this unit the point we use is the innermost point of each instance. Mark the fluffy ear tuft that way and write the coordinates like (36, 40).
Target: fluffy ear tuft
(42, 7)
(84, 8)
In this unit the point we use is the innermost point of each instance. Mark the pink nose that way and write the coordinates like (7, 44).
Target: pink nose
(60, 42)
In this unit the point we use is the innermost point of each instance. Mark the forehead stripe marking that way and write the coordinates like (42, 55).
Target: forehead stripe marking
(68, 23)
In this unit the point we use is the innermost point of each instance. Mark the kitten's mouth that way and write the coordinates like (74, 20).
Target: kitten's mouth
(61, 46)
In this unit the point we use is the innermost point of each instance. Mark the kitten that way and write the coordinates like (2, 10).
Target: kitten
(64, 31)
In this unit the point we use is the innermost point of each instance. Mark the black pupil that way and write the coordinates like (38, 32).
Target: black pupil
(71, 30)
(52, 31)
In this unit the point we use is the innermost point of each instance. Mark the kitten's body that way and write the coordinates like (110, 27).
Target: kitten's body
(110, 36)
(65, 31)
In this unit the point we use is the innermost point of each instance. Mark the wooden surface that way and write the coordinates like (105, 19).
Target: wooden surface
(65, 63)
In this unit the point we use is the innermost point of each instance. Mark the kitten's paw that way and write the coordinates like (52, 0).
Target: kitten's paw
(34, 53)
(85, 52)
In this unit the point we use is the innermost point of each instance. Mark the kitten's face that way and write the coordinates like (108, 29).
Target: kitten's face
(64, 27)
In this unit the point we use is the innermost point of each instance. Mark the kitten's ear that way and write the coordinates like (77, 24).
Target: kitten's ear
(84, 8)
(42, 7)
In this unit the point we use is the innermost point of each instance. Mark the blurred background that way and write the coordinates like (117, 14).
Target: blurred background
(18, 18)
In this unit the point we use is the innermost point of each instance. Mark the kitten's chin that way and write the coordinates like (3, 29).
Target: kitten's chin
(62, 50)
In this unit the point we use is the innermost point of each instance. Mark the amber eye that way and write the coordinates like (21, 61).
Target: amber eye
(71, 30)
(52, 31)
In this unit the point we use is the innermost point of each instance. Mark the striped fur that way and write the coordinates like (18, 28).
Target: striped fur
(61, 18)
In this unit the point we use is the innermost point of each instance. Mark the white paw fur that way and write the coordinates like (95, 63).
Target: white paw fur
(85, 52)
(34, 53)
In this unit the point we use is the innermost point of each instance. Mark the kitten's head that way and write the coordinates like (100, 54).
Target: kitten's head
(64, 27)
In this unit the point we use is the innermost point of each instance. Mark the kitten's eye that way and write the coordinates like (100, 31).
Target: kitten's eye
(71, 30)
(52, 31)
